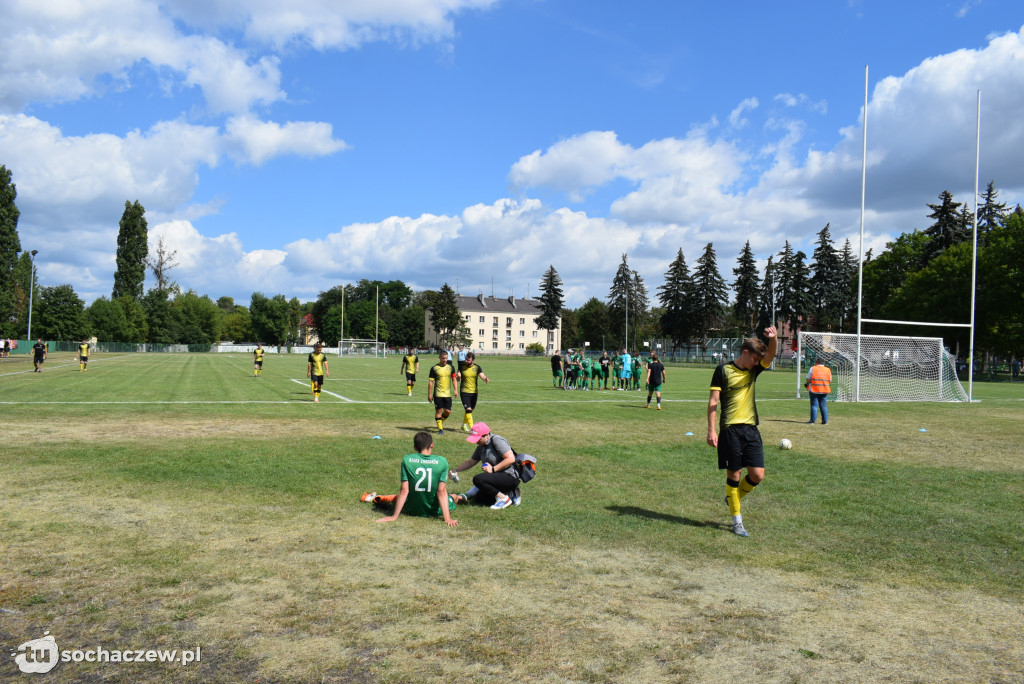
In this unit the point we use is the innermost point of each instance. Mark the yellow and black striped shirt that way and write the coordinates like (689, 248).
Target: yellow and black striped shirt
(469, 378)
(442, 376)
(736, 404)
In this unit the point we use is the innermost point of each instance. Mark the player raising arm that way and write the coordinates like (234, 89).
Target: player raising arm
(739, 441)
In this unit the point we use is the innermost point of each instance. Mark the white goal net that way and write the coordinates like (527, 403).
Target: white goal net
(354, 347)
(891, 368)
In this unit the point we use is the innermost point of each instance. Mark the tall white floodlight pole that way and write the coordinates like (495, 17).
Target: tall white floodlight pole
(341, 339)
(31, 289)
(627, 320)
(860, 269)
(974, 261)
(376, 321)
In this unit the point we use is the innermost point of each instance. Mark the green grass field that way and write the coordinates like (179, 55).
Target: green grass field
(174, 501)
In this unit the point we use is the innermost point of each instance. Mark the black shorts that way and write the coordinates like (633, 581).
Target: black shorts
(410, 377)
(469, 401)
(739, 446)
(40, 359)
(318, 379)
(443, 403)
(258, 364)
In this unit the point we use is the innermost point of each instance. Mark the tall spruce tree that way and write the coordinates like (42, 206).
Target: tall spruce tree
(551, 300)
(619, 304)
(10, 245)
(991, 214)
(638, 305)
(766, 297)
(801, 283)
(132, 250)
(827, 283)
(789, 298)
(848, 310)
(747, 288)
(948, 229)
(677, 298)
(711, 290)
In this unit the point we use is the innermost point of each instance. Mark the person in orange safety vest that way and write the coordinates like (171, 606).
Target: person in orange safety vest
(819, 384)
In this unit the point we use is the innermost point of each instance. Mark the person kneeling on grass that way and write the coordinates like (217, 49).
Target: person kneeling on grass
(428, 496)
(498, 485)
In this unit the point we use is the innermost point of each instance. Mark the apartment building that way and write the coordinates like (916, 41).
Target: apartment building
(502, 325)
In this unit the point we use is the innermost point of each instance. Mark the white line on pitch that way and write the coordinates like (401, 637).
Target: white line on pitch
(351, 401)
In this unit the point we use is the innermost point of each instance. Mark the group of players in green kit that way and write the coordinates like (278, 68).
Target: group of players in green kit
(577, 371)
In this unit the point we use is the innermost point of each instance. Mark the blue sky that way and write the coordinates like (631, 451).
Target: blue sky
(290, 147)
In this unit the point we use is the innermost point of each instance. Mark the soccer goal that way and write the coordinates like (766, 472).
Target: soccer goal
(891, 368)
(353, 347)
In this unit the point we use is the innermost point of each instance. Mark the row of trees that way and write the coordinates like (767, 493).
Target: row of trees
(920, 276)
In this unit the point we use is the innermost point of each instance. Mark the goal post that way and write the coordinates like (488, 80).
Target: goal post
(892, 368)
(354, 347)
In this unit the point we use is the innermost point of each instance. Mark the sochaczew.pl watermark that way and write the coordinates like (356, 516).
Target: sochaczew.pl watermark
(42, 655)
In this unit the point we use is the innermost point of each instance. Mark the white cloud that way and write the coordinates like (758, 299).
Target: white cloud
(736, 119)
(324, 24)
(251, 140)
(59, 52)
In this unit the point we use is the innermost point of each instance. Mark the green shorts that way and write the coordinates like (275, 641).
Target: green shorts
(653, 388)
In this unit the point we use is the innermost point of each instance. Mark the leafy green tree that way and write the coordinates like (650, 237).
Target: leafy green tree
(747, 287)
(10, 245)
(940, 293)
(1001, 304)
(135, 317)
(163, 320)
(61, 314)
(326, 301)
(107, 320)
(828, 283)
(23, 273)
(269, 318)
(885, 274)
(406, 328)
(446, 319)
(712, 295)
(132, 250)
(361, 321)
(237, 326)
(200, 319)
(551, 300)
(678, 299)
(592, 324)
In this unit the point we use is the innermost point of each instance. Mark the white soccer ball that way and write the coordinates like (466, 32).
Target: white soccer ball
(785, 444)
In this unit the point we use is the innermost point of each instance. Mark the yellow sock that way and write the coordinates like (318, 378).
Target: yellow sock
(732, 493)
(440, 424)
(81, 366)
(745, 487)
(469, 420)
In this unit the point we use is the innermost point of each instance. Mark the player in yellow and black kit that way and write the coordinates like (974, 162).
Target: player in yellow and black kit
(410, 366)
(440, 388)
(257, 361)
(83, 356)
(739, 442)
(470, 374)
(316, 369)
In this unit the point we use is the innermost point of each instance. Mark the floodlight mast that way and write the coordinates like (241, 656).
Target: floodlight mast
(31, 289)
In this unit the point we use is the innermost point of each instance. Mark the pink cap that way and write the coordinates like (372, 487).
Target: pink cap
(478, 431)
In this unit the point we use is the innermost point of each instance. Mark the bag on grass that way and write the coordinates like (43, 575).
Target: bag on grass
(526, 465)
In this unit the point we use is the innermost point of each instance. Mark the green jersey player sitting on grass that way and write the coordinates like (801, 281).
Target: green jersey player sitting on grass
(423, 491)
